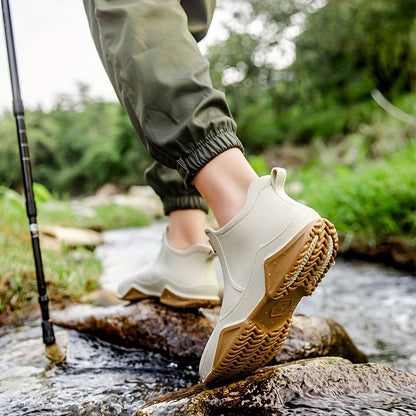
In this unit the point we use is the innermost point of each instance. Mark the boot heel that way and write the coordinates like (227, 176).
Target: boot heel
(317, 245)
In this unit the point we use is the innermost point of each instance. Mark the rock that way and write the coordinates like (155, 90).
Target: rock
(107, 190)
(71, 237)
(150, 205)
(140, 197)
(317, 386)
(396, 251)
(184, 333)
(101, 297)
(178, 334)
(318, 337)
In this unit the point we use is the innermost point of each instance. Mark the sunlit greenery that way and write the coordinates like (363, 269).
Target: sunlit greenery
(70, 273)
(374, 200)
(343, 51)
(75, 147)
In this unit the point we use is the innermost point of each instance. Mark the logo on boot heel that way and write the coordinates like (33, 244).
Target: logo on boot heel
(281, 308)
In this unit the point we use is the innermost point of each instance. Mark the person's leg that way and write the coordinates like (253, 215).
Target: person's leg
(165, 181)
(273, 252)
(224, 183)
(186, 228)
(183, 274)
(272, 249)
(186, 208)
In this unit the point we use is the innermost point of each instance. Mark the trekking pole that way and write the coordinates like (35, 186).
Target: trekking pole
(18, 110)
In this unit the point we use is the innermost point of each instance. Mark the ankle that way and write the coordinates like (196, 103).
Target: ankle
(186, 228)
(182, 242)
(224, 182)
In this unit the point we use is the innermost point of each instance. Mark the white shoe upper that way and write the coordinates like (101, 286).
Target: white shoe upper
(266, 223)
(186, 273)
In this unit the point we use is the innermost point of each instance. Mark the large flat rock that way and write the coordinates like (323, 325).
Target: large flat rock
(177, 334)
(183, 334)
(319, 386)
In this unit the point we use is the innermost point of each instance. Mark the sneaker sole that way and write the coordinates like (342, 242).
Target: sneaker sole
(171, 299)
(291, 273)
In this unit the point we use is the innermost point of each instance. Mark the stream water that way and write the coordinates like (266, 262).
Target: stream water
(376, 305)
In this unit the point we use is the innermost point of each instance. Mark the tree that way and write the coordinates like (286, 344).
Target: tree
(344, 50)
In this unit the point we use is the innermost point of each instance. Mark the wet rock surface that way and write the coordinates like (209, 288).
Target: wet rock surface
(97, 378)
(319, 386)
(396, 251)
(318, 337)
(182, 334)
(176, 333)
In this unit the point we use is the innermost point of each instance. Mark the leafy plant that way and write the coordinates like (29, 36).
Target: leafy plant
(374, 199)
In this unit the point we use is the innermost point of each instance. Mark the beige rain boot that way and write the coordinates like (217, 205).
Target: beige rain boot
(179, 278)
(274, 252)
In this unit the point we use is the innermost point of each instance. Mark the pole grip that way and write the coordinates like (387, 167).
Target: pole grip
(47, 332)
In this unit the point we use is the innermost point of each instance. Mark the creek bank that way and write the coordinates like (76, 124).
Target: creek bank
(318, 386)
(395, 251)
(183, 334)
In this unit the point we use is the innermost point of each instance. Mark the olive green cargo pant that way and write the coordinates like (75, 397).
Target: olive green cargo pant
(149, 50)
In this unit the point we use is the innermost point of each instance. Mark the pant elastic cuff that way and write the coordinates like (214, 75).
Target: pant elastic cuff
(173, 203)
(214, 144)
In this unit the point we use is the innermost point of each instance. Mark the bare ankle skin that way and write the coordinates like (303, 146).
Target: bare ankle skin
(224, 182)
(186, 228)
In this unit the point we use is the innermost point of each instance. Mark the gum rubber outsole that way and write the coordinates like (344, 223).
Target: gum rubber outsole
(291, 273)
(171, 299)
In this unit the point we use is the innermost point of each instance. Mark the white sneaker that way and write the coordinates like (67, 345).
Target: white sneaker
(274, 252)
(180, 278)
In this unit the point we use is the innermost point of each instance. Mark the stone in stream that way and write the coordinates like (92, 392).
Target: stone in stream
(182, 334)
(318, 386)
(176, 333)
(69, 236)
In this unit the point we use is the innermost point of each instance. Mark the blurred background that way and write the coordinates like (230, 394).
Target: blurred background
(326, 89)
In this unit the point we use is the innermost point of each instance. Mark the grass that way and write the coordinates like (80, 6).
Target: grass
(373, 199)
(103, 217)
(365, 183)
(69, 273)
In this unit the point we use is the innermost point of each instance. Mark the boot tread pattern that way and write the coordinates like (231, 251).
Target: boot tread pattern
(245, 347)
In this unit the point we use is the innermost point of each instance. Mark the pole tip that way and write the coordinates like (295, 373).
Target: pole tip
(56, 353)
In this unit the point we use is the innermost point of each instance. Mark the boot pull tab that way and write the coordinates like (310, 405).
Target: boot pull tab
(278, 177)
(212, 240)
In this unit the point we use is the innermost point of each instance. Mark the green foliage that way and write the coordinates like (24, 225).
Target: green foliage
(41, 193)
(113, 216)
(75, 147)
(69, 274)
(374, 199)
(102, 217)
(259, 164)
(344, 50)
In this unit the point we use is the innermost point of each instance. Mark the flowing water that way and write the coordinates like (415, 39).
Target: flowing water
(376, 305)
